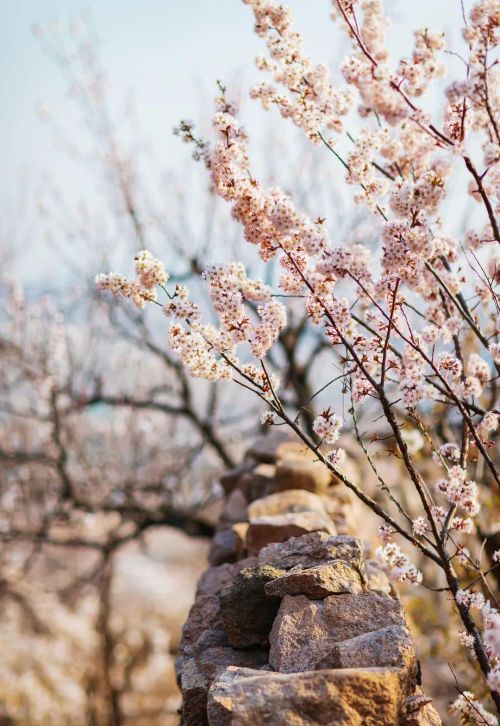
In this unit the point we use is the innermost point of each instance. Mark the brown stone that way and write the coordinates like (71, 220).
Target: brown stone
(230, 479)
(265, 448)
(257, 483)
(425, 716)
(246, 613)
(280, 527)
(228, 544)
(235, 508)
(351, 697)
(317, 582)
(216, 579)
(203, 615)
(390, 647)
(291, 500)
(194, 689)
(312, 549)
(199, 672)
(220, 696)
(301, 473)
(305, 631)
(419, 710)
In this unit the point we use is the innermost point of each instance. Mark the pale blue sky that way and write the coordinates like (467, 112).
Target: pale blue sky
(161, 51)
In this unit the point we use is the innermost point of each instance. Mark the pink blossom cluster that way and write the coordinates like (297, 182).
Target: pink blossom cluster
(150, 273)
(472, 711)
(460, 491)
(491, 637)
(401, 568)
(470, 599)
(424, 65)
(327, 426)
(229, 287)
(368, 68)
(308, 97)
(385, 532)
(180, 306)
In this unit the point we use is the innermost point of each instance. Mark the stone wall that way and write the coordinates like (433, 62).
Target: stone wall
(293, 622)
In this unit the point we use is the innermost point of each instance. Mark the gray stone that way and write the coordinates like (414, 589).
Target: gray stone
(311, 549)
(235, 508)
(305, 631)
(228, 544)
(218, 578)
(317, 582)
(246, 613)
(390, 647)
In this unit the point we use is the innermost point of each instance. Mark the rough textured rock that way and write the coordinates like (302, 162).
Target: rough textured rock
(199, 672)
(425, 716)
(419, 711)
(306, 631)
(390, 647)
(312, 549)
(317, 582)
(291, 500)
(220, 696)
(247, 614)
(280, 527)
(203, 616)
(353, 697)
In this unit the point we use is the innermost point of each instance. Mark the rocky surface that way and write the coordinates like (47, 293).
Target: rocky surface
(316, 548)
(293, 624)
(246, 611)
(346, 697)
(335, 577)
(280, 527)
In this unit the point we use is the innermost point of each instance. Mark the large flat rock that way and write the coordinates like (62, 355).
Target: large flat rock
(312, 549)
(344, 697)
(305, 631)
(390, 647)
(335, 577)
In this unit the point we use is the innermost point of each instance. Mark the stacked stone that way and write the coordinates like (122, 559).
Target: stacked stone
(293, 623)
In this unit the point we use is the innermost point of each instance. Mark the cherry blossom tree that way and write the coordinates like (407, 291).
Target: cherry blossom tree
(412, 326)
